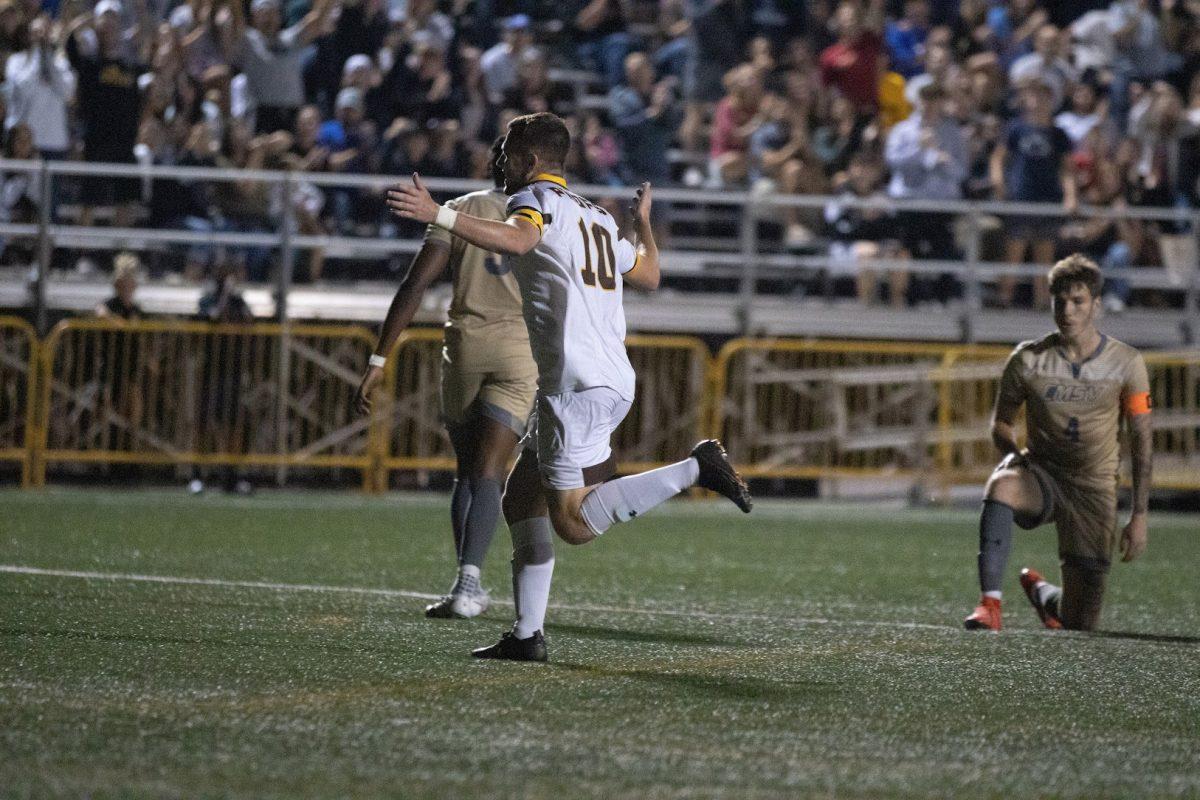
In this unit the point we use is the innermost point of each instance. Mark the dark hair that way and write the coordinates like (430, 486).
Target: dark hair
(1076, 269)
(494, 163)
(542, 134)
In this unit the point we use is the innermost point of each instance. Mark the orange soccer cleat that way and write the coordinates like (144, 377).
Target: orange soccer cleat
(1030, 578)
(985, 617)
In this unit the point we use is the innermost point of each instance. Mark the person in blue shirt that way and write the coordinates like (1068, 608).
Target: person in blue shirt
(905, 38)
(1031, 165)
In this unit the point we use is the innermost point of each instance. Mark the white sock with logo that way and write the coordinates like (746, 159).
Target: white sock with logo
(625, 498)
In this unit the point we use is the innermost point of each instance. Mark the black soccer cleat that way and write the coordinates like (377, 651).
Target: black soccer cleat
(718, 475)
(513, 649)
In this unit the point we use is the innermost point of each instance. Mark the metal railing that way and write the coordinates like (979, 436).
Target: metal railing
(751, 263)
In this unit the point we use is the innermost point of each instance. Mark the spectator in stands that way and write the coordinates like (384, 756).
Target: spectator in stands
(534, 91)
(718, 31)
(645, 114)
(940, 68)
(359, 72)
(858, 233)
(271, 56)
(1139, 50)
(500, 62)
(360, 28)
(1110, 242)
(105, 60)
(851, 65)
(597, 31)
(121, 305)
(906, 36)
(781, 159)
(1045, 64)
(733, 122)
(927, 155)
(40, 87)
(19, 196)
(671, 57)
(422, 84)
(421, 18)
(839, 137)
(348, 139)
(1031, 166)
(1085, 113)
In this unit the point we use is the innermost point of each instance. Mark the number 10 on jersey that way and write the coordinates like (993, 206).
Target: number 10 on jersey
(606, 260)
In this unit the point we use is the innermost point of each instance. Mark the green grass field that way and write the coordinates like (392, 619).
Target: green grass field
(804, 651)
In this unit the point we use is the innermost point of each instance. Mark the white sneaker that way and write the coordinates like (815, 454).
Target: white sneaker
(462, 605)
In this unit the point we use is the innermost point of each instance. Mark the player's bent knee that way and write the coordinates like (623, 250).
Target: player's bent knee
(1005, 487)
(570, 527)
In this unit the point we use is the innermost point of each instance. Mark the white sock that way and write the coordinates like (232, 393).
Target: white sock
(992, 594)
(533, 567)
(1046, 592)
(467, 581)
(623, 499)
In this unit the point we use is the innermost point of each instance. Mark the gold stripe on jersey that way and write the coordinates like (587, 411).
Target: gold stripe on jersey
(637, 260)
(531, 214)
(546, 176)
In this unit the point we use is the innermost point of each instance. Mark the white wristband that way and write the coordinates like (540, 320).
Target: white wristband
(445, 218)
(376, 360)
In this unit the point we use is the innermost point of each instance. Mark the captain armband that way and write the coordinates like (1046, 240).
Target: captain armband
(1137, 404)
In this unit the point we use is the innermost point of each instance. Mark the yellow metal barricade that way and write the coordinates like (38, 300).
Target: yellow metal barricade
(164, 392)
(669, 416)
(811, 409)
(1175, 392)
(18, 417)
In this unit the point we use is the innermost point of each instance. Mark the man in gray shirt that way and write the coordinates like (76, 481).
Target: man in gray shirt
(927, 154)
(271, 56)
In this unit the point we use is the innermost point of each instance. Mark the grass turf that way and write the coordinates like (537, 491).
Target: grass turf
(804, 651)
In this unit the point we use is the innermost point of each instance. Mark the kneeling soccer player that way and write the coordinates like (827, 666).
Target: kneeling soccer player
(1075, 384)
(571, 265)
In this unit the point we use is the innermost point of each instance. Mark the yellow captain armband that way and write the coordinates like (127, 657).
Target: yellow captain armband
(530, 214)
(1136, 404)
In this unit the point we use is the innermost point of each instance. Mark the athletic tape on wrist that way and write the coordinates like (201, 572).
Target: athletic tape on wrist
(445, 218)
(376, 360)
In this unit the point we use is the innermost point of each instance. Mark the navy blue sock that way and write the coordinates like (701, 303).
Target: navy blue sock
(995, 542)
(460, 506)
(481, 521)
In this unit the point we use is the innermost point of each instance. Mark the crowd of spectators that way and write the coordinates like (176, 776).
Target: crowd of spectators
(1067, 102)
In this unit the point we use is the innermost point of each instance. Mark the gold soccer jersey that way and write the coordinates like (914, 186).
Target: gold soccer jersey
(1073, 410)
(486, 362)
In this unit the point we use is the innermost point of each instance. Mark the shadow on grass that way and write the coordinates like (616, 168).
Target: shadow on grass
(724, 687)
(623, 635)
(256, 640)
(1161, 638)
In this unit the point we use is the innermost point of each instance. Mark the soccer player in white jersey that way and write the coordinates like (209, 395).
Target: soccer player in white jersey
(571, 265)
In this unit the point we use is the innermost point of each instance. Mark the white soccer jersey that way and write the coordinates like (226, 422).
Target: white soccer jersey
(571, 290)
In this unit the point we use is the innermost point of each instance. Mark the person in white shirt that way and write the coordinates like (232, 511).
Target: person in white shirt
(570, 264)
(40, 86)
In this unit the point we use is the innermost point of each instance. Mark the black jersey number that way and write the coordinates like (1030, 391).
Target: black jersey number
(1073, 429)
(606, 260)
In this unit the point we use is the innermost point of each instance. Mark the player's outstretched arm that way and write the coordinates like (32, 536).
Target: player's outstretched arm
(1141, 446)
(429, 263)
(511, 238)
(647, 274)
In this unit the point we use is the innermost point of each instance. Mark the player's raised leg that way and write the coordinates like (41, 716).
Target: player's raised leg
(1013, 494)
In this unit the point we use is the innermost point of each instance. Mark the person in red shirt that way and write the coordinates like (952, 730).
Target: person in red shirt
(734, 119)
(853, 63)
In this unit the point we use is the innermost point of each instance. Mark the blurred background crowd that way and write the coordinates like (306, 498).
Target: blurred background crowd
(1071, 102)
